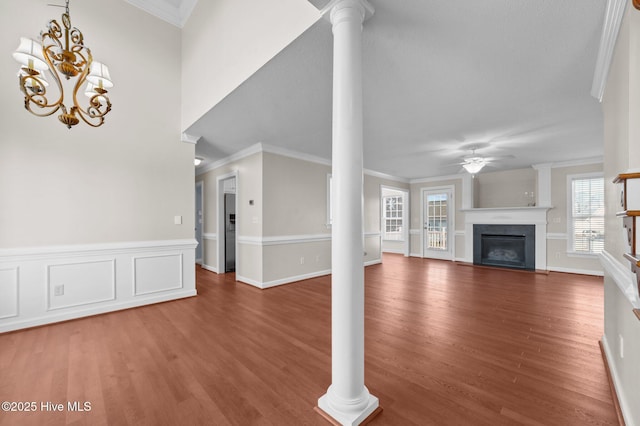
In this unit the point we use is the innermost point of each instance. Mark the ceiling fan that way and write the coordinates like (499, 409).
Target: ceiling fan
(474, 163)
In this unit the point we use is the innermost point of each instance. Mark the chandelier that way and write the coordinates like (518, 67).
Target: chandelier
(61, 51)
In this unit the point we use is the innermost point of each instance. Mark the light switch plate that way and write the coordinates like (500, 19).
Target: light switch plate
(177, 220)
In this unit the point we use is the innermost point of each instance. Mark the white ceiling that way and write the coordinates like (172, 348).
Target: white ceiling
(511, 77)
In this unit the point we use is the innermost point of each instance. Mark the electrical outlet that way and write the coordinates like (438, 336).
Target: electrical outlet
(302, 260)
(317, 259)
(58, 290)
(621, 341)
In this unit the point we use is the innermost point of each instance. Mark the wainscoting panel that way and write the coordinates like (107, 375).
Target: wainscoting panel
(153, 274)
(75, 284)
(43, 285)
(8, 293)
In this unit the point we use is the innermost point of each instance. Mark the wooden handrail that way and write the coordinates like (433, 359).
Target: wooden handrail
(636, 3)
(635, 175)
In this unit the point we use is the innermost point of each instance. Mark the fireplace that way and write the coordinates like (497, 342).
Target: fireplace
(507, 246)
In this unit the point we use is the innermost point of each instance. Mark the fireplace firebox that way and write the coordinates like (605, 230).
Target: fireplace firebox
(507, 246)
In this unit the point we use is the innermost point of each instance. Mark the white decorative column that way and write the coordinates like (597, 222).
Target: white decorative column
(347, 400)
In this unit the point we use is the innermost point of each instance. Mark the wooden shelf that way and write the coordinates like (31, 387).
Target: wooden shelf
(637, 312)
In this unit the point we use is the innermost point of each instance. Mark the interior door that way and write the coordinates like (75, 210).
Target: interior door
(437, 215)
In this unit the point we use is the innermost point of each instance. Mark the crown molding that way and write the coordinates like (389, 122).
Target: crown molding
(185, 137)
(253, 149)
(580, 162)
(438, 178)
(270, 149)
(612, 23)
(175, 15)
(385, 176)
(295, 154)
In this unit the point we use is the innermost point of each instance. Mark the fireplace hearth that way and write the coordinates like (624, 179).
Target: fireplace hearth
(507, 246)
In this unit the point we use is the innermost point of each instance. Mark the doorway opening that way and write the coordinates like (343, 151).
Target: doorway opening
(227, 222)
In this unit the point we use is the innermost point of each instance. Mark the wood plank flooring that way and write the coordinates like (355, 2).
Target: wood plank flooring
(445, 345)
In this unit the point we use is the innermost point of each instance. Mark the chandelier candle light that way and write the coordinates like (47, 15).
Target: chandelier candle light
(61, 51)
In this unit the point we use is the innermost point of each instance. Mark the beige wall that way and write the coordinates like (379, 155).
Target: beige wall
(509, 188)
(226, 41)
(249, 218)
(295, 204)
(621, 105)
(124, 181)
(291, 239)
(295, 196)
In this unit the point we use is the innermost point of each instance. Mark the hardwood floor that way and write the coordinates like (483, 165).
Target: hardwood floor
(445, 345)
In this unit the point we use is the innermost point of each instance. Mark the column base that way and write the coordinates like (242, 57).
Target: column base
(339, 418)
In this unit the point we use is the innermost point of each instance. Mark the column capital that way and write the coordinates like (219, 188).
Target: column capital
(330, 11)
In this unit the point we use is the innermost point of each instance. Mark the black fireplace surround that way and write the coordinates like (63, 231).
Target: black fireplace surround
(507, 246)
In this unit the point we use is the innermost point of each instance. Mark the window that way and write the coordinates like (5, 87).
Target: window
(587, 214)
(393, 211)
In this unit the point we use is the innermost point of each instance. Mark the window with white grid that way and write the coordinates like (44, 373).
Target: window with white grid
(393, 210)
(586, 234)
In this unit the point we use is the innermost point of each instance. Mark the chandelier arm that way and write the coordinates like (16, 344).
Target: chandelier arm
(38, 98)
(93, 111)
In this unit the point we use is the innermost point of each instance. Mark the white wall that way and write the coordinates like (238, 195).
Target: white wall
(226, 41)
(621, 105)
(80, 195)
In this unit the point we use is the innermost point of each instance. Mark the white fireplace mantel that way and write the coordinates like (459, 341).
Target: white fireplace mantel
(508, 216)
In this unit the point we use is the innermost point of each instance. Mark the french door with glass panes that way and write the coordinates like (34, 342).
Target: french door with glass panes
(437, 232)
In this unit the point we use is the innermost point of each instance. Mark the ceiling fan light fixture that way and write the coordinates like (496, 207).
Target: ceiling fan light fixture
(474, 165)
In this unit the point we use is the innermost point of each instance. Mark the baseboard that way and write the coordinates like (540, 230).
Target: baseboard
(575, 271)
(296, 278)
(209, 268)
(392, 251)
(612, 386)
(249, 281)
(293, 278)
(97, 310)
(614, 381)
